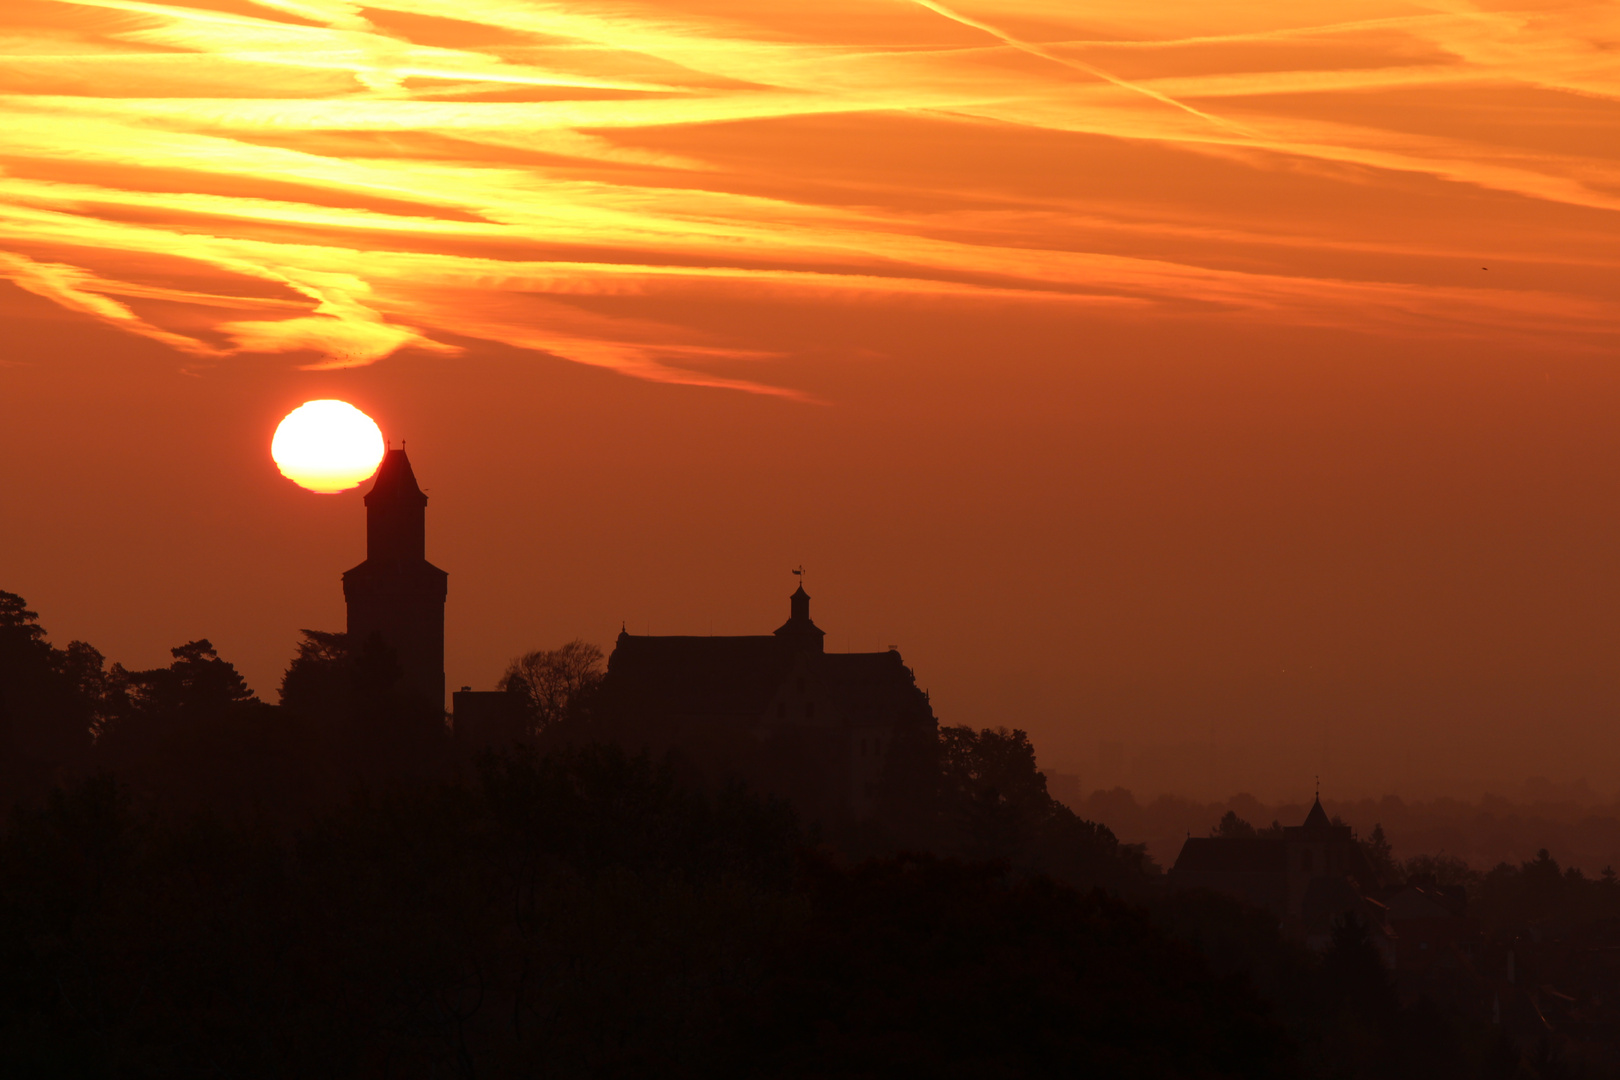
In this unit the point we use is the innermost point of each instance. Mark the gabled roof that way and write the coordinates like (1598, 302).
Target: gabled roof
(738, 677)
(696, 676)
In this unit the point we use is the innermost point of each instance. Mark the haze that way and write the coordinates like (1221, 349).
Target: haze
(1224, 394)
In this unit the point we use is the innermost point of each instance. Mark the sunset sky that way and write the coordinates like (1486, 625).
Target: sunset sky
(1235, 383)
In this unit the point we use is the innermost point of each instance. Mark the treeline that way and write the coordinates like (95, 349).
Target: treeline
(1532, 899)
(576, 914)
(193, 882)
(1534, 896)
(1570, 821)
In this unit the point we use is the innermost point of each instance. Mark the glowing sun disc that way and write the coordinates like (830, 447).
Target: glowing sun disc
(327, 446)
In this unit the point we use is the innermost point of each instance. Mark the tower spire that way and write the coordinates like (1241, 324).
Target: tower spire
(396, 512)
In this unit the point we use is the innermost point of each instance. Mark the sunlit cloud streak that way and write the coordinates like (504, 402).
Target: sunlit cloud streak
(77, 290)
(338, 182)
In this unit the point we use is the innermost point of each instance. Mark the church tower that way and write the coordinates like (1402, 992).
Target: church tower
(396, 594)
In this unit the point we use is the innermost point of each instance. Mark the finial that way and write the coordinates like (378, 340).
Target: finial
(1318, 785)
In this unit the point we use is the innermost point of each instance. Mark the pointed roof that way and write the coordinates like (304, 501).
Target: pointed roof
(395, 480)
(1317, 818)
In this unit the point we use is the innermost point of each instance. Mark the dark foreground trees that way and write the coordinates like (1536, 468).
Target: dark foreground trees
(583, 913)
(218, 887)
(991, 803)
(913, 966)
(578, 914)
(46, 708)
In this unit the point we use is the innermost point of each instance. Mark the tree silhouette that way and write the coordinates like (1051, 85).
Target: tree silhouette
(1232, 827)
(555, 683)
(321, 675)
(992, 804)
(1381, 855)
(993, 795)
(197, 681)
(48, 705)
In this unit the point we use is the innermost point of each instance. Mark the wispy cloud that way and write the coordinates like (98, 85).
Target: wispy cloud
(79, 290)
(340, 181)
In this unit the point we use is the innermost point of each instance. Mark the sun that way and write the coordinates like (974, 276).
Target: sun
(327, 446)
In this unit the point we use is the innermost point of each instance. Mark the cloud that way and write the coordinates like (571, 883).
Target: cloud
(79, 290)
(344, 341)
(411, 172)
(347, 332)
(1078, 65)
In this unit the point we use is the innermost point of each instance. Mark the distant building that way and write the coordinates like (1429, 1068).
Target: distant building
(1307, 876)
(829, 729)
(396, 596)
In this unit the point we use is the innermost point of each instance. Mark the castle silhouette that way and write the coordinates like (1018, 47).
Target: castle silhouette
(829, 729)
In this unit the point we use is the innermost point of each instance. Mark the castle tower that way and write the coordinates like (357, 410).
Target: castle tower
(396, 594)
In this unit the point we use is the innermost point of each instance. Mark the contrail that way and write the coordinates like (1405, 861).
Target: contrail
(1077, 65)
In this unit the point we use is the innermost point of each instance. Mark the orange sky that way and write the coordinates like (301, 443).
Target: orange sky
(1135, 368)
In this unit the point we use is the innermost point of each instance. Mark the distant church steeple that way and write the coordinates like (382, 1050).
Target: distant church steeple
(396, 594)
(1317, 818)
(799, 629)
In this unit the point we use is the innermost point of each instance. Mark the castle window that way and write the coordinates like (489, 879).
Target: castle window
(1305, 861)
(863, 748)
(781, 710)
(801, 686)
(809, 708)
